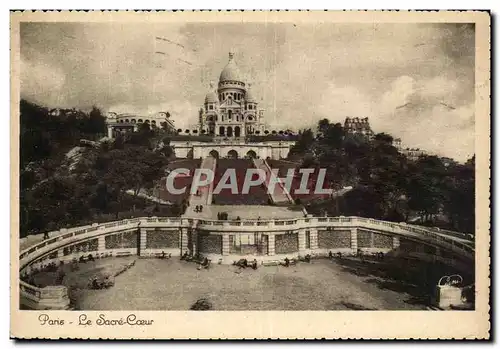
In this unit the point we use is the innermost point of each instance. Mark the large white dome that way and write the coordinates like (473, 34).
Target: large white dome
(230, 71)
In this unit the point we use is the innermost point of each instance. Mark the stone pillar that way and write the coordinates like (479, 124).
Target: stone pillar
(194, 237)
(354, 240)
(225, 244)
(110, 132)
(184, 240)
(302, 240)
(101, 243)
(142, 241)
(271, 242)
(395, 242)
(313, 234)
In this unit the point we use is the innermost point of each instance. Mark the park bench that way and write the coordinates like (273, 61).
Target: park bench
(123, 254)
(270, 263)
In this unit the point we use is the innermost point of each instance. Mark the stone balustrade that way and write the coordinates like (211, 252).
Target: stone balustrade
(209, 233)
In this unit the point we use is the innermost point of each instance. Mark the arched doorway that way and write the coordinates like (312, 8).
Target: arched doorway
(237, 131)
(222, 131)
(214, 153)
(229, 131)
(251, 154)
(232, 154)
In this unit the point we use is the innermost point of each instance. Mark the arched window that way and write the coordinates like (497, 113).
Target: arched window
(230, 114)
(214, 153)
(232, 154)
(126, 120)
(222, 131)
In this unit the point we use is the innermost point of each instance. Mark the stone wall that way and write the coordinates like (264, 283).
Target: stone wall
(382, 241)
(364, 239)
(86, 246)
(208, 243)
(334, 239)
(122, 240)
(162, 239)
(287, 243)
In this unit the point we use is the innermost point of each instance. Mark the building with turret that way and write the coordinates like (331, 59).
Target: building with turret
(121, 123)
(358, 126)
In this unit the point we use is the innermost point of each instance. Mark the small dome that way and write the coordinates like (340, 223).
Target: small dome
(249, 97)
(230, 71)
(211, 97)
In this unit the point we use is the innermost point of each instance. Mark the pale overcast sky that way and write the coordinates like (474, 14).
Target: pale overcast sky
(414, 81)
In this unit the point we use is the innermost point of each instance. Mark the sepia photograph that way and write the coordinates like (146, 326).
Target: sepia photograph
(239, 163)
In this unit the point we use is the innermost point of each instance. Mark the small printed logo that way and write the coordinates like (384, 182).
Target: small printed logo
(305, 181)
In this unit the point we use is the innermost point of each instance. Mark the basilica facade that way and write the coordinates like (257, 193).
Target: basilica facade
(231, 124)
(231, 110)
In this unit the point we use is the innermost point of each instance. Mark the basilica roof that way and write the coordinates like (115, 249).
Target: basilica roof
(230, 71)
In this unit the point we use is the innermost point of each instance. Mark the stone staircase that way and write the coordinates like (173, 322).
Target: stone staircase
(204, 194)
(279, 195)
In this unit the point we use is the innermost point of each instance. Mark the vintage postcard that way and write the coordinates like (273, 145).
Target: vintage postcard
(241, 175)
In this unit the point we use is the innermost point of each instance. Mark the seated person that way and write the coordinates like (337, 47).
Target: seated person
(242, 263)
(185, 256)
(330, 254)
(205, 263)
(307, 258)
(254, 264)
(287, 262)
(82, 259)
(90, 258)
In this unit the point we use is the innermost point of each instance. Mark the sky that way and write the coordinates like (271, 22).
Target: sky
(414, 81)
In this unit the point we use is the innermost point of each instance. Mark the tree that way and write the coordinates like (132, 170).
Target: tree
(304, 143)
(96, 122)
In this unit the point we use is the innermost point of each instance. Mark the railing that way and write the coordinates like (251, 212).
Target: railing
(451, 240)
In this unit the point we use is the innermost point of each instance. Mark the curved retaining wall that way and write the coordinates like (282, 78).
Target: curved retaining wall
(290, 237)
